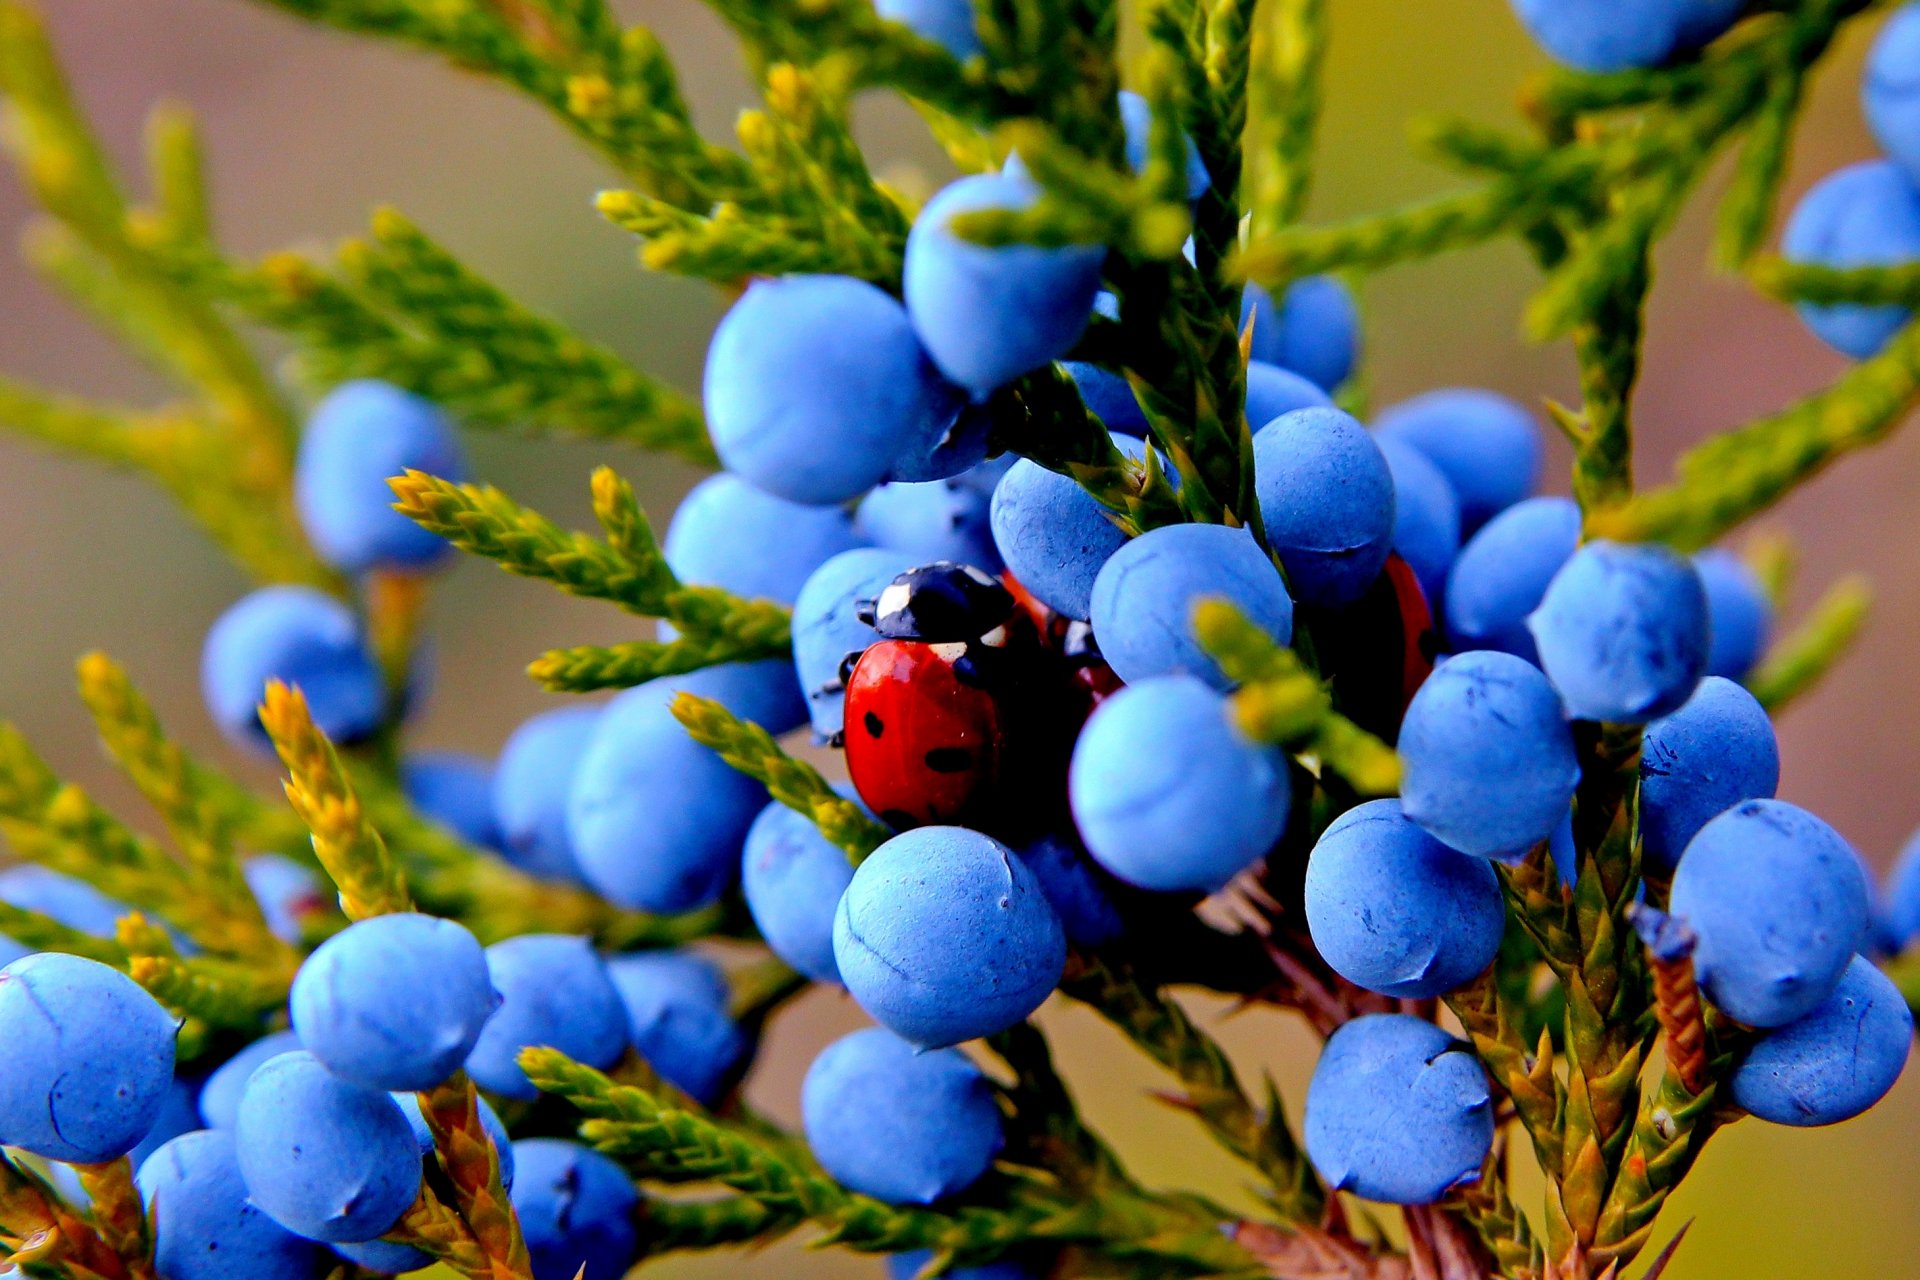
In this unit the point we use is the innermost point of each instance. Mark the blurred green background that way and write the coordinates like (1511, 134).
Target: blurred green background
(308, 130)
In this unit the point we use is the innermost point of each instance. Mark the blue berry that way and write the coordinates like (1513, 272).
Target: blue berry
(1890, 88)
(1109, 397)
(1076, 889)
(816, 387)
(1488, 753)
(956, 451)
(1144, 598)
(726, 533)
(1426, 516)
(1136, 117)
(1835, 1062)
(939, 520)
(657, 819)
(1168, 794)
(455, 790)
(554, 991)
(577, 1210)
(1272, 391)
(360, 436)
(179, 1113)
(1622, 632)
(11, 951)
(1697, 763)
(1395, 911)
(1327, 498)
(676, 1004)
(1398, 1111)
(793, 879)
(1902, 904)
(325, 1158)
(1053, 536)
(384, 1257)
(944, 935)
(1487, 446)
(948, 23)
(531, 783)
(988, 314)
(394, 1002)
(1739, 613)
(908, 1266)
(1866, 214)
(220, 1095)
(288, 892)
(1613, 35)
(827, 626)
(1779, 902)
(204, 1227)
(61, 898)
(301, 636)
(1503, 570)
(896, 1123)
(89, 1059)
(1315, 331)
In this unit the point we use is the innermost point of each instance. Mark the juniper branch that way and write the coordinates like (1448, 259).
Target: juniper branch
(1797, 662)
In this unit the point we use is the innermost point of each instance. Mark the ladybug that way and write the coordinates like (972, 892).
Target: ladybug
(1074, 642)
(1388, 633)
(943, 713)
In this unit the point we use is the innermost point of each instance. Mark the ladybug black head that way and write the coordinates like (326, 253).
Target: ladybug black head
(940, 603)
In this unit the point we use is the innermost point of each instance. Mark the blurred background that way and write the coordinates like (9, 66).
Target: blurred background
(308, 130)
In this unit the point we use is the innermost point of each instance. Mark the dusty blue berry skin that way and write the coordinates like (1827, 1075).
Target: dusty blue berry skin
(827, 626)
(1314, 331)
(1327, 497)
(1272, 391)
(896, 1123)
(204, 1227)
(1053, 536)
(325, 1158)
(1890, 89)
(988, 314)
(1867, 214)
(1489, 756)
(945, 935)
(179, 1113)
(301, 636)
(286, 892)
(1697, 763)
(1426, 516)
(1901, 906)
(1109, 396)
(359, 436)
(554, 990)
(1739, 614)
(1835, 1062)
(656, 819)
(676, 1004)
(948, 23)
(1144, 598)
(454, 789)
(384, 1257)
(938, 520)
(816, 387)
(793, 880)
(1613, 35)
(907, 1266)
(1622, 632)
(63, 898)
(1502, 572)
(1188, 814)
(726, 533)
(1398, 1111)
(1779, 903)
(1394, 910)
(394, 1002)
(220, 1095)
(576, 1208)
(1136, 116)
(1487, 446)
(89, 1059)
(1075, 888)
(530, 787)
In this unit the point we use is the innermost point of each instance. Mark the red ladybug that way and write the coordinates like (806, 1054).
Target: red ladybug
(1378, 651)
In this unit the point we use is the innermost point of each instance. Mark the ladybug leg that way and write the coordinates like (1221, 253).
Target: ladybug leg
(847, 664)
(866, 610)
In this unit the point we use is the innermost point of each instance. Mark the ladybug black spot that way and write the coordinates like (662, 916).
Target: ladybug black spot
(873, 725)
(949, 759)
